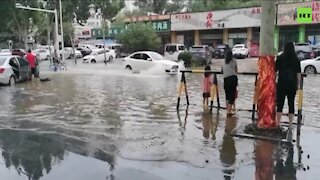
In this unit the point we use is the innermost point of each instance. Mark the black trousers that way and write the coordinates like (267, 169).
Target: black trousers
(282, 93)
(230, 88)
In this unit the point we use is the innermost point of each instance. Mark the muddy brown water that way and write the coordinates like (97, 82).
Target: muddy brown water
(98, 122)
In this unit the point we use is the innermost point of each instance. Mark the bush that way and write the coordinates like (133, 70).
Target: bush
(186, 57)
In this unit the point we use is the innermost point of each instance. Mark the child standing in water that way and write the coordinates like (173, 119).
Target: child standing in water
(206, 86)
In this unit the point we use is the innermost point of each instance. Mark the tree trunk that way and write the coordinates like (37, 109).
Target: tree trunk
(25, 39)
(266, 70)
(73, 48)
(104, 40)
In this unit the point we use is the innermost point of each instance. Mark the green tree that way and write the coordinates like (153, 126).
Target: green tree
(206, 5)
(175, 6)
(139, 37)
(23, 22)
(155, 6)
(108, 9)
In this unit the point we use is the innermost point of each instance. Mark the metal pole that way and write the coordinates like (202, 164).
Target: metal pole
(215, 82)
(180, 91)
(49, 39)
(185, 89)
(61, 29)
(56, 44)
(254, 99)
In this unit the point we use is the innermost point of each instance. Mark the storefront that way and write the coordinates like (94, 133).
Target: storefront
(211, 37)
(160, 23)
(215, 27)
(290, 30)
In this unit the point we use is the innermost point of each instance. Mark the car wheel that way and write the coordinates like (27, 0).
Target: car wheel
(48, 57)
(93, 61)
(310, 70)
(12, 81)
(128, 68)
(110, 58)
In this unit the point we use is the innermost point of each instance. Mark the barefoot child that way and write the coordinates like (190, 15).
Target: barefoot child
(206, 86)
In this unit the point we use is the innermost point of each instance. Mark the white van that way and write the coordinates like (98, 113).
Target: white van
(172, 51)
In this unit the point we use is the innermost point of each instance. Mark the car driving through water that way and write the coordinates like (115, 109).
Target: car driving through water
(144, 60)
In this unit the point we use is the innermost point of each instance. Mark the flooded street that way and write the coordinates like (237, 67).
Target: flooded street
(102, 122)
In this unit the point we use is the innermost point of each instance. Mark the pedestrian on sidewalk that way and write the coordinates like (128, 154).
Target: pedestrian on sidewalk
(289, 69)
(230, 79)
(206, 86)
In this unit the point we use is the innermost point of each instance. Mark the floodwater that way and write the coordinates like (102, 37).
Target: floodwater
(101, 122)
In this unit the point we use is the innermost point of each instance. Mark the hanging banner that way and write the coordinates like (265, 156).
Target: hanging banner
(288, 13)
(233, 18)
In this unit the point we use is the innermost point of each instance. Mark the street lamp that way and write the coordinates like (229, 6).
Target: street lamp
(56, 45)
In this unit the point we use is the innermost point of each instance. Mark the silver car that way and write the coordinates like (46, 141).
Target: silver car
(13, 69)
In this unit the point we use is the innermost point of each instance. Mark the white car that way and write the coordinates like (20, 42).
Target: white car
(98, 56)
(172, 51)
(144, 60)
(42, 54)
(5, 52)
(240, 50)
(13, 69)
(93, 48)
(69, 51)
(310, 66)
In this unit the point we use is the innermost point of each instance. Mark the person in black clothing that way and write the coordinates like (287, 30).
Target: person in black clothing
(289, 68)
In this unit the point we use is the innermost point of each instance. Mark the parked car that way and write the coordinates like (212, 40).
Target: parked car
(172, 51)
(316, 50)
(5, 52)
(202, 54)
(143, 60)
(304, 51)
(240, 51)
(98, 57)
(76, 52)
(311, 66)
(14, 69)
(254, 50)
(84, 51)
(218, 51)
(65, 52)
(18, 52)
(42, 54)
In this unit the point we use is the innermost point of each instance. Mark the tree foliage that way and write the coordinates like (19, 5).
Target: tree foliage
(139, 37)
(207, 5)
(160, 6)
(108, 9)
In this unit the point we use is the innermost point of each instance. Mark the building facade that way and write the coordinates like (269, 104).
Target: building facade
(243, 26)
(216, 27)
(160, 23)
(289, 29)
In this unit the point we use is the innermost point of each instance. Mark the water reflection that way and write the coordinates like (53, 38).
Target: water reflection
(31, 154)
(228, 149)
(274, 160)
(264, 160)
(210, 124)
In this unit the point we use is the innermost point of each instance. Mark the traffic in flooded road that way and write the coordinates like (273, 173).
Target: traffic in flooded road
(103, 122)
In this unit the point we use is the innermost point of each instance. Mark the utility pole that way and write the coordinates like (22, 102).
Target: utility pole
(61, 29)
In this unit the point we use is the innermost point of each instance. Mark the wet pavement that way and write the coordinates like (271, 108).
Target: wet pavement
(101, 122)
